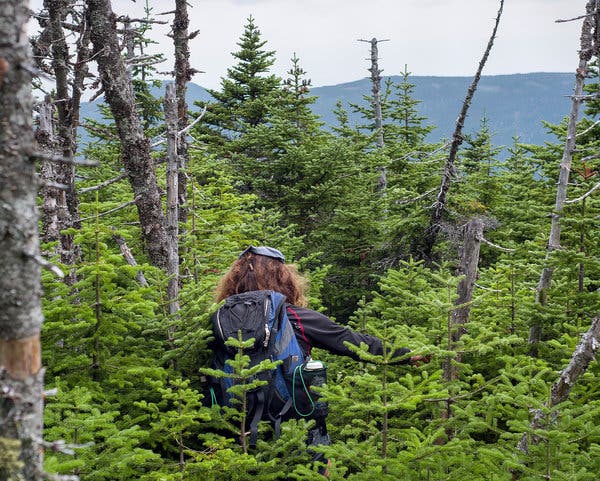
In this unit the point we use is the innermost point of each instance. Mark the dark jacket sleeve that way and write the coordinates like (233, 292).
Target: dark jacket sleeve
(317, 330)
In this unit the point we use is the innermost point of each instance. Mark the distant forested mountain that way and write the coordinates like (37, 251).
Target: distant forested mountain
(515, 105)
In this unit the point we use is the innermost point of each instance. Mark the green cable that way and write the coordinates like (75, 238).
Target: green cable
(213, 398)
(312, 403)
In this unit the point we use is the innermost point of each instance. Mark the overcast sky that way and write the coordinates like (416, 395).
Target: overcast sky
(432, 37)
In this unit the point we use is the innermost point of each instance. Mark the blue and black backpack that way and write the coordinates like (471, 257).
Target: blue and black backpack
(260, 315)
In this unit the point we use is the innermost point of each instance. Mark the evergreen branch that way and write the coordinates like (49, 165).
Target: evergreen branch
(587, 194)
(451, 399)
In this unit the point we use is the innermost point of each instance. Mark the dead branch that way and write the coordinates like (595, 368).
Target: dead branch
(45, 264)
(36, 154)
(103, 184)
(573, 19)
(495, 246)
(110, 211)
(457, 139)
(183, 131)
(128, 256)
(587, 194)
(588, 129)
(415, 199)
(584, 354)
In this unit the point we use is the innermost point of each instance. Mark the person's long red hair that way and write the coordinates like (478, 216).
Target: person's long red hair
(253, 272)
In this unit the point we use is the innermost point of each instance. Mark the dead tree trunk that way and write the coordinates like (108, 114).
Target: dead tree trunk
(135, 147)
(376, 102)
(183, 74)
(67, 108)
(170, 107)
(21, 374)
(469, 261)
(586, 51)
(433, 230)
(52, 195)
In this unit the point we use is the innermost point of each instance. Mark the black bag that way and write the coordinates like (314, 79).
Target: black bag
(259, 315)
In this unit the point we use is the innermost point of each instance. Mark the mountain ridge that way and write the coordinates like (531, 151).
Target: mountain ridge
(514, 104)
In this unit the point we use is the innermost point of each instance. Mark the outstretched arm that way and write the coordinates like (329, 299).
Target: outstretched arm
(317, 330)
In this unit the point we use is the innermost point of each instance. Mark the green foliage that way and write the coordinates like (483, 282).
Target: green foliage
(131, 400)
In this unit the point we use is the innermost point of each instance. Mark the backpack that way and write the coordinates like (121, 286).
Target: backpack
(260, 315)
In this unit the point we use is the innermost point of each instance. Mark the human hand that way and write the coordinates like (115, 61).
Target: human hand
(418, 360)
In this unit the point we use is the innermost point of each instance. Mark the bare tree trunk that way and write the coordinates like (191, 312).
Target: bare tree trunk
(469, 261)
(135, 147)
(67, 108)
(585, 54)
(376, 102)
(21, 374)
(170, 108)
(183, 74)
(52, 196)
(434, 227)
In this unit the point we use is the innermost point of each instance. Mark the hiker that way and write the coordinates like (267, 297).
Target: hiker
(263, 270)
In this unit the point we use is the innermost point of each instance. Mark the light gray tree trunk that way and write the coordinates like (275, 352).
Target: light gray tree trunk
(585, 54)
(170, 108)
(135, 147)
(21, 374)
(376, 102)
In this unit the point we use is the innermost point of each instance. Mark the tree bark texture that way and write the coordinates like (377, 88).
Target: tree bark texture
(170, 108)
(135, 147)
(183, 74)
(469, 261)
(586, 51)
(21, 375)
(434, 227)
(52, 198)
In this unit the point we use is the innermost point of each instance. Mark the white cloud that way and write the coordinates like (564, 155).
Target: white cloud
(432, 37)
